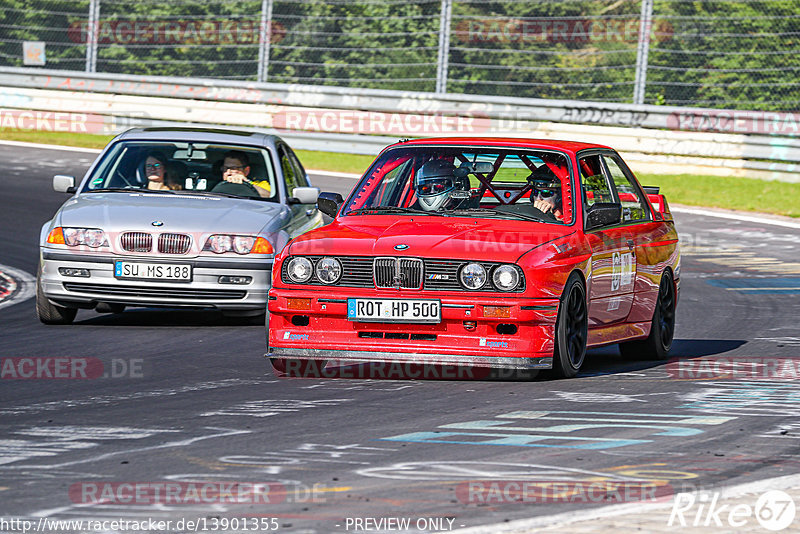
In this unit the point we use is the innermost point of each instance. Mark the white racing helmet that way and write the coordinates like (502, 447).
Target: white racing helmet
(433, 183)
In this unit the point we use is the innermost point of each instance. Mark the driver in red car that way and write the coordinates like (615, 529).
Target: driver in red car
(438, 188)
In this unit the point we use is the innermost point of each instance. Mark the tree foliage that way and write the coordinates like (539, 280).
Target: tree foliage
(714, 53)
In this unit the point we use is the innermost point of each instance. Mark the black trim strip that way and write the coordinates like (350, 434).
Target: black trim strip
(196, 264)
(538, 307)
(333, 301)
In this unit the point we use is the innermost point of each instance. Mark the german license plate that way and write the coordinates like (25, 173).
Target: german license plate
(394, 310)
(152, 271)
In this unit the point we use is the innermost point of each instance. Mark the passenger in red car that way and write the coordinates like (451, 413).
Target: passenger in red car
(548, 201)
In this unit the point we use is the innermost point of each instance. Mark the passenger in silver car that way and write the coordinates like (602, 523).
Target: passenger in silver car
(156, 171)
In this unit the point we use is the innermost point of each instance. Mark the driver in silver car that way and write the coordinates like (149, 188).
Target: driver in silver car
(236, 168)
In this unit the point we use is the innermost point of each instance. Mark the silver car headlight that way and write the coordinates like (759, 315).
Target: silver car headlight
(299, 269)
(329, 270)
(91, 237)
(219, 244)
(240, 244)
(473, 276)
(505, 278)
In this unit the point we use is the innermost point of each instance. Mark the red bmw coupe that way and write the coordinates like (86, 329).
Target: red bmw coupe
(483, 252)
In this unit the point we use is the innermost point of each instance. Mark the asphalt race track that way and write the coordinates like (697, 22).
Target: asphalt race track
(187, 397)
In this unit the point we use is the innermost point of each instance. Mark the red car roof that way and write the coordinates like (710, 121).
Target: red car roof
(569, 146)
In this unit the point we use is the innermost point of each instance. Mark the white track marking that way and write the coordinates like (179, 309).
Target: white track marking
(26, 286)
(568, 518)
(333, 174)
(50, 147)
(102, 400)
(759, 219)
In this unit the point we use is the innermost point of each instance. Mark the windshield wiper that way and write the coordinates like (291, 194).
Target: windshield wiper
(390, 209)
(498, 214)
(115, 190)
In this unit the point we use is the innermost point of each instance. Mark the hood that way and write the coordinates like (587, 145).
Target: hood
(116, 212)
(428, 237)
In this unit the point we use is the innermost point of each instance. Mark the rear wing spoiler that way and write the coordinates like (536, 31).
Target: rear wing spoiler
(659, 202)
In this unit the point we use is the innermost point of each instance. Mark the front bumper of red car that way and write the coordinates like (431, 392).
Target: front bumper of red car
(505, 331)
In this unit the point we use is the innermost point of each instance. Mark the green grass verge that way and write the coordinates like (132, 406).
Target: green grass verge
(56, 138)
(715, 191)
(733, 193)
(334, 161)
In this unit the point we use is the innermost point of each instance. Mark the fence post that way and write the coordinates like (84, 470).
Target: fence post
(264, 39)
(444, 46)
(642, 51)
(91, 35)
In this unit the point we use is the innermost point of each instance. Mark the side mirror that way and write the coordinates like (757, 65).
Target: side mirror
(329, 203)
(603, 214)
(306, 195)
(63, 183)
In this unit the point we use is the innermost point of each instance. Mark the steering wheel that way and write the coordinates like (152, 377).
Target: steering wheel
(122, 177)
(548, 215)
(244, 189)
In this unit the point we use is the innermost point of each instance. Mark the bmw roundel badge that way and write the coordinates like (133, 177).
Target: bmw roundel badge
(401, 246)
(157, 223)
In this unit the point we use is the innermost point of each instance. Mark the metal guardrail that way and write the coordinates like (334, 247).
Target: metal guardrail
(654, 138)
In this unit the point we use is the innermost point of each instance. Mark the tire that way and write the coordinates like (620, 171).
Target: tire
(49, 313)
(662, 329)
(572, 330)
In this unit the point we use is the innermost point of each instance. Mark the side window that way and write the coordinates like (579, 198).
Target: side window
(594, 183)
(288, 169)
(633, 207)
(299, 171)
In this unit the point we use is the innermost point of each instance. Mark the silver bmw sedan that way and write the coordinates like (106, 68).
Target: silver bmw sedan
(174, 217)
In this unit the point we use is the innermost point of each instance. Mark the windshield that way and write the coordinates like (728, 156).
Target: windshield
(466, 181)
(197, 168)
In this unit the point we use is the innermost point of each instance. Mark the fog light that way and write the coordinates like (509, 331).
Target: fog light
(298, 304)
(507, 329)
(67, 271)
(470, 325)
(235, 279)
(497, 311)
(300, 320)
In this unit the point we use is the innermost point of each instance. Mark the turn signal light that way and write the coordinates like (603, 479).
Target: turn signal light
(262, 246)
(56, 236)
(502, 312)
(298, 304)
